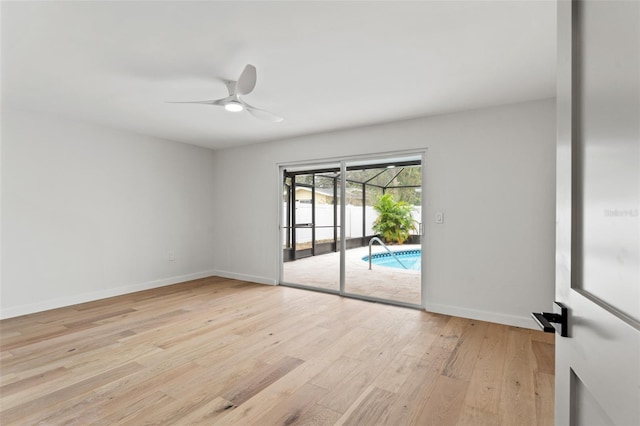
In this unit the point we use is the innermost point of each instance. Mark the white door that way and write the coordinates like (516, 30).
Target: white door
(598, 228)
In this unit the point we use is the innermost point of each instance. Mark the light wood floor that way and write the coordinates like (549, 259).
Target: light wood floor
(218, 351)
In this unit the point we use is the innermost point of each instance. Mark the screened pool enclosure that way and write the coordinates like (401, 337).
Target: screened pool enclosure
(311, 205)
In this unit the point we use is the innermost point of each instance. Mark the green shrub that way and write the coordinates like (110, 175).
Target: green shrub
(394, 221)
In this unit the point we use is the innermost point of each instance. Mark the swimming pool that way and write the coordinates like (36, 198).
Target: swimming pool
(412, 259)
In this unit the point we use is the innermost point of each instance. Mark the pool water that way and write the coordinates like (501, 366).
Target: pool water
(412, 259)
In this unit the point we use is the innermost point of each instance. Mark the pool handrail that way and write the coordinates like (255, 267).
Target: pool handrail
(374, 239)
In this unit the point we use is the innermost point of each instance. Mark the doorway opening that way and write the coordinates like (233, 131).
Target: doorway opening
(335, 215)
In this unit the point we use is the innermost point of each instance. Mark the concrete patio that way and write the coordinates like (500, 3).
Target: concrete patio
(381, 282)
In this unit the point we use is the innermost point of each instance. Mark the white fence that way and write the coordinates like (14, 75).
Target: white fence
(324, 217)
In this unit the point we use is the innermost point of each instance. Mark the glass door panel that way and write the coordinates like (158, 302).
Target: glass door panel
(382, 192)
(311, 229)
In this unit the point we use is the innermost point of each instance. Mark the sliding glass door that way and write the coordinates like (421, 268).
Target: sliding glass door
(383, 205)
(311, 228)
(335, 216)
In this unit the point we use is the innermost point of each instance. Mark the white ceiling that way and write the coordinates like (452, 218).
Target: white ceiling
(322, 65)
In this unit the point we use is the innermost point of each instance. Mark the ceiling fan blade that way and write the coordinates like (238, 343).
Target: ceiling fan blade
(262, 114)
(213, 102)
(247, 81)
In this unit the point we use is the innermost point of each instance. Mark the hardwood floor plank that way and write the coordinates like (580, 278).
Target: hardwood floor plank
(318, 416)
(251, 412)
(444, 404)
(371, 408)
(390, 336)
(544, 385)
(250, 386)
(96, 318)
(64, 412)
(423, 339)
(517, 402)
(81, 368)
(354, 384)
(42, 403)
(145, 411)
(485, 385)
(174, 411)
(227, 352)
(544, 355)
(416, 389)
(32, 381)
(336, 348)
(358, 399)
(293, 409)
(451, 332)
(465, 354)
(41, 335)
(303, 344)
(207, 413)
(105, 405)
(63, 347)
(474, 416)
(215, 378)
(330, 377)
(393, 376)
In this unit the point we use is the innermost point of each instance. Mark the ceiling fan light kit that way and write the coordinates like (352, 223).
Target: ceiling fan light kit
(233, 103)
(233, 106)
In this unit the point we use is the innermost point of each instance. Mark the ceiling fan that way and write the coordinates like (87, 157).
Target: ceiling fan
(234, 103)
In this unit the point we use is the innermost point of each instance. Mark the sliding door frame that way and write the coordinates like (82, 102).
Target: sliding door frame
(323, 163)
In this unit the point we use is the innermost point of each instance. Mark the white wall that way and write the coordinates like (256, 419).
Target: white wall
(90, 212)
(491, 171)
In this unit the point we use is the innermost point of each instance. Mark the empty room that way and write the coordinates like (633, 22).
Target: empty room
(320, 212)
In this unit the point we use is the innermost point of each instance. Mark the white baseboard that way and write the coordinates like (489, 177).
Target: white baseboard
(97, 295)
(517, 321)
(244, 277)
